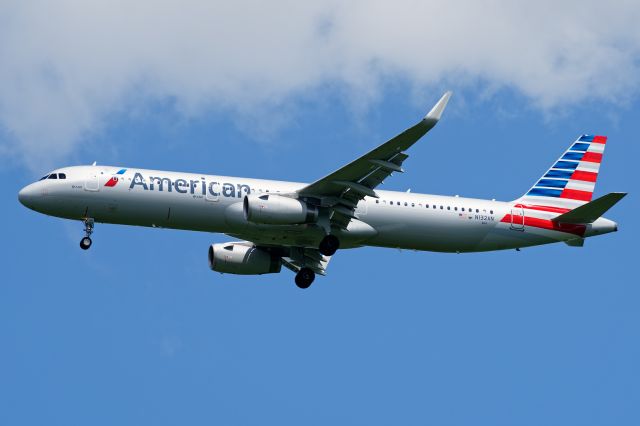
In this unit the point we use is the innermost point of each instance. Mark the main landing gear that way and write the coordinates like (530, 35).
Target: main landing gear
(329, 245)
(305, 277)
(85, 242)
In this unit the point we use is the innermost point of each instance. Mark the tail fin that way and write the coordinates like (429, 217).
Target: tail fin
(570, 182)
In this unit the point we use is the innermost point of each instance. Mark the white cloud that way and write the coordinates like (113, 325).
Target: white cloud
(65, 69)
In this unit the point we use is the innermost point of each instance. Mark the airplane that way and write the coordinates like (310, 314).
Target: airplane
(301, 226)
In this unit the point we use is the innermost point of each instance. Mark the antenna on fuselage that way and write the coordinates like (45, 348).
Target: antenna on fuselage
(94, 163)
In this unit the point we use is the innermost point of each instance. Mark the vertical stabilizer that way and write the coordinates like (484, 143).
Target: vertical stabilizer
(570, 181)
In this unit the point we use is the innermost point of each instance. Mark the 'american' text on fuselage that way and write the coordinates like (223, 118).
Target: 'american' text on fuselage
(191, 186)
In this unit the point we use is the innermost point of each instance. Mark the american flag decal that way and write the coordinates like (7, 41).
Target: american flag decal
(571, 180)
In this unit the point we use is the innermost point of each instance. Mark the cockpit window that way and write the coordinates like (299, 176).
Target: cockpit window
(53, 176)
(62, 176)
(44, 177)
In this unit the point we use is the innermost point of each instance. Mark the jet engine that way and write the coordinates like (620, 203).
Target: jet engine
(242, 259)
(271, 209)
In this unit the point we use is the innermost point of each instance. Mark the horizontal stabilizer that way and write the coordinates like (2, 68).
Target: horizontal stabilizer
(590, 212)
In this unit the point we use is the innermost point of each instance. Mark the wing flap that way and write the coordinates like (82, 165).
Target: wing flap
(300, 257)
(388, 165)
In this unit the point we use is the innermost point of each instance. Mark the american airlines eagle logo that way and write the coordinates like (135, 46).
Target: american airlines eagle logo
(114, 179)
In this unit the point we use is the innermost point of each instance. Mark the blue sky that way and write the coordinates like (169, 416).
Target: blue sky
(139, 330)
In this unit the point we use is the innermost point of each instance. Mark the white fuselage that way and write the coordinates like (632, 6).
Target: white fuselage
(214, 204)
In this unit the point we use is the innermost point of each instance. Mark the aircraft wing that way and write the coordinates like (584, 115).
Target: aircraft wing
(342, 189)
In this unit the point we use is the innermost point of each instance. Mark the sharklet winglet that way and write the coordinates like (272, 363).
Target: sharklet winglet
(438, 109)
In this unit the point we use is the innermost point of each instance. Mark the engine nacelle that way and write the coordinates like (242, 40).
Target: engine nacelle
(242, 259)
(271, 209)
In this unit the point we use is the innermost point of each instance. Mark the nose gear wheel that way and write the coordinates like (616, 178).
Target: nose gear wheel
(85, 242)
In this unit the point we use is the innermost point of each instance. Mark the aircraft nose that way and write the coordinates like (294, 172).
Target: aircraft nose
(27, 196)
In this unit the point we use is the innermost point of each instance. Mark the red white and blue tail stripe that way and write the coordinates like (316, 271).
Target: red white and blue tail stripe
(570, 182)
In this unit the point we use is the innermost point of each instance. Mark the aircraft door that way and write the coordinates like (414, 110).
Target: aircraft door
(517, 218)
(92, 182)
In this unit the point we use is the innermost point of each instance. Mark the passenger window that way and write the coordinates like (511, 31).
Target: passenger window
(53, 176)
(491, 211)
(62, 176)
(455, 208)
(405, 204)
(477, 210)
(398, 203)
(441, 207)
(377, 201)
(413, 205)
(448, 208)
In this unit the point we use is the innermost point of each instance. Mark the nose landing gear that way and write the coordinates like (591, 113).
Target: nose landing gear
(85, 242)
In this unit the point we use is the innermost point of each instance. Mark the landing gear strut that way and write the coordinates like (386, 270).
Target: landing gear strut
(305, 277)
(329, 245)
(85, 242)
